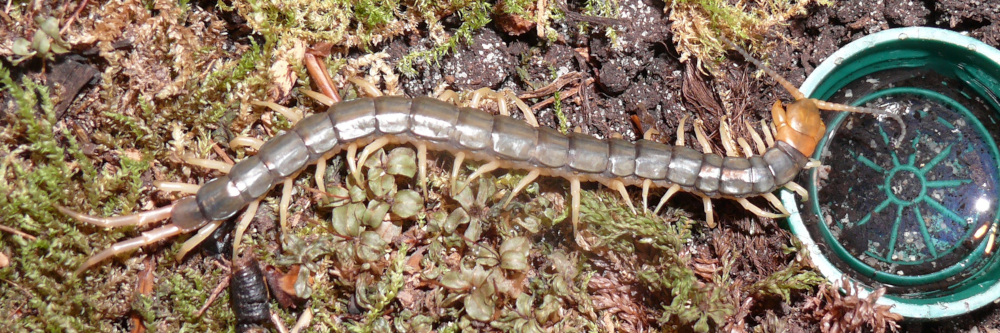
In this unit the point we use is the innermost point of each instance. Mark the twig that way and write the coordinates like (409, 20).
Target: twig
(17, 232)
(73, 17)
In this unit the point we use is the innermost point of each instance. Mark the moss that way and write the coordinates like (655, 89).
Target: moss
(474, 15)
(186, 85)
(698, 24)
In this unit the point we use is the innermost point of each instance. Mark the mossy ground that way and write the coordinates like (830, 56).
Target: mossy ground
(179, 77)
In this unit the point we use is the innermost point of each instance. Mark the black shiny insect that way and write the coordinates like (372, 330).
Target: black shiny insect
(248, 296)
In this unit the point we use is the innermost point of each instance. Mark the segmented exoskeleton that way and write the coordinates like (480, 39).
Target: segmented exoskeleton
(501, 142)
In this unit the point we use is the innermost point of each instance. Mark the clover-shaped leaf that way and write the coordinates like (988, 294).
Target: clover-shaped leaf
(514, 253)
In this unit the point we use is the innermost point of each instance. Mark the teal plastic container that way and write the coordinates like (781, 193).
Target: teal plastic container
(913, 211)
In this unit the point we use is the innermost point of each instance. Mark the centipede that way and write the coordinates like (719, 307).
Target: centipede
(502, 142)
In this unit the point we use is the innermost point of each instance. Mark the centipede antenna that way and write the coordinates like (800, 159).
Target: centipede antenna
(824, 105)
(794, 91)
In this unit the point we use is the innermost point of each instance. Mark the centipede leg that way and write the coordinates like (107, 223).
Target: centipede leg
(747, 150)
(757, 210)
(139, 219)
(366, 87)
(680, 131)
(322, 99)
(670, 192)
(477, 96)
(699, 133)
(320, 172)
(448, 96)
(767, 129)
(242, 225)
(207, 163)
(529, 116)
(352, 163)
(776, 203)
(289, 113)
(620, 187)
(648, 135)
(176, 187)
(488, 167)
(148, 237)
(727, 138)
(709, 214)
(530, 177)
(245, 141)
(801, 191)
(645, 194)
(199, 237)
(813, 163)
(459, 158)
(574, 194)
(286, 198)
(422, 167)
(365, 153)
(756, 138)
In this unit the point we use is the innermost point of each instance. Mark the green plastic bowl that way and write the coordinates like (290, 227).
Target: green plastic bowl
(917, 215)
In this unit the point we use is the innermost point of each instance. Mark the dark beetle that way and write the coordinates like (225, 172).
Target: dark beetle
(248, 295)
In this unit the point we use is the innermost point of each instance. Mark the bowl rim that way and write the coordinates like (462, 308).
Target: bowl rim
(797, 225)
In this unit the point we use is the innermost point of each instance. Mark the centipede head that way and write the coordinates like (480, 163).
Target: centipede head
(799, 123)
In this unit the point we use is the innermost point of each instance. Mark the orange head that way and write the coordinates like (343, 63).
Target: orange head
(799, 124)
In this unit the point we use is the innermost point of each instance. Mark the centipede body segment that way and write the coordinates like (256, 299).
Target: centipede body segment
(500, 142)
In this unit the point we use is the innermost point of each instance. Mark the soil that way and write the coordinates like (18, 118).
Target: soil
(645, 79)
(644, 85)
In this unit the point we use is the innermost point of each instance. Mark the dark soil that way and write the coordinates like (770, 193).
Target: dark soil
(645, 80)
(645, 86)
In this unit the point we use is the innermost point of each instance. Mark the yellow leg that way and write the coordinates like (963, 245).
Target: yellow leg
(322, 99)
(365, 86)
(727, 138)
(767, 133)
(422, 166)
(670, 192)
(368, 151)
(620, 187)
(286, 197)
(290, 114)
(798, 189)
(529, 116)
(176, 187)
(199, 237)
(756, 137)
(680, 131)
(352, 163)
(776, 203)
(320, 172)
(709, 215)
(207, 163)
(757, 210)
(488, 167)
(645, 194)
(699, 133)
(459, 158)
(530, 177)
(241, 227)
(574, 194)
(245, 141)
